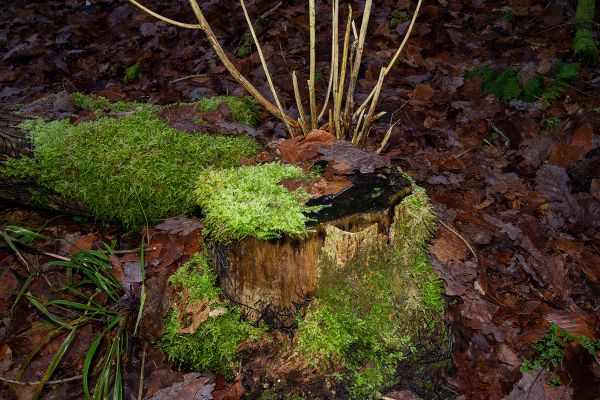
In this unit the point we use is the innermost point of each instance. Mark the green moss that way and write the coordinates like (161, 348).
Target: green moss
(132, 73)
(248, 201)
(101, 105)
(584, 45)
(397, 17)
(244, 109)
(212, 347)
(245, 48)
(134, 169)
(361, 321)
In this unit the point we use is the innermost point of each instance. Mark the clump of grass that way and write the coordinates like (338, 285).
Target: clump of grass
(249, 201)
(132, 73)
(360, 321)
(134, 169)
(213, 345)
(90, 295)
(244, 109)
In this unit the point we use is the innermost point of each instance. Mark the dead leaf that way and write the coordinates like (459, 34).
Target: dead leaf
(193, 387)
(448, 247)
(84, 243)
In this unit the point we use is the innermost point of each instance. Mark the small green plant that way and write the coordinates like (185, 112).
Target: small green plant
(249, 201)
(584, 46)
(209, 345)
(550, 351)
(368, 312)
(132, 73)
(550, 122)
(245, 48)
(506, 84)
(397, 17)
(134, 169)
(89, 296)
(564, 73)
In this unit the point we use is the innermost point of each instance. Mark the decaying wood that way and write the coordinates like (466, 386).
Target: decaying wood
(274, 280)
(14, 142)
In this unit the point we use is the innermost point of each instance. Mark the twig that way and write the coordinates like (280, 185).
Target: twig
(141, 389)
(461, 238)
(265, 68)
(188, 77)
(54, 382)
(165, 19)
(233, 70)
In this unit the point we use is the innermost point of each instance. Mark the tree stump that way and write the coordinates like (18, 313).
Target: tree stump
(273, 280)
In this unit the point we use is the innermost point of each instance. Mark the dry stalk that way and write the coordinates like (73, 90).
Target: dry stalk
(301, 115)
(334, 59)
(394, 58)
(264, 65)
(337, 107)
(311, 81)
(357, 59)
(341, 122)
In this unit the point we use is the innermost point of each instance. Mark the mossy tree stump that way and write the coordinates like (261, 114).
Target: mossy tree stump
(274, 279)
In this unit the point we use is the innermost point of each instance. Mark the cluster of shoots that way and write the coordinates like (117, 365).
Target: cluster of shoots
(339, 114)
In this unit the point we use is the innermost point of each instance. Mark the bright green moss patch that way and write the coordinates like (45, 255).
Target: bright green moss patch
(213, 344)
(132, 72)
(249, 201)
(584, 45)
(100, 104)
(369, 312)
(134, 169)
(244, 109)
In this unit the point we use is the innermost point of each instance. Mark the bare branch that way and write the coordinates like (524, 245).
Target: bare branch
(233, 70)
(163, 18)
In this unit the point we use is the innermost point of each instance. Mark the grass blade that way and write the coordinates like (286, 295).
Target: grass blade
(44, 310)
(34, 352)
(89, 356)
(143, 290)
(55, 361)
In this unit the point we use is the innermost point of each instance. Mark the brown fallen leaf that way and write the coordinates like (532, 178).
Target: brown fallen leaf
(422, 94)
(301, 149)
(448, 247)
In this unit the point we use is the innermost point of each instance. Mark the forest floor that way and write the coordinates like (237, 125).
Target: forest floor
(515, 184)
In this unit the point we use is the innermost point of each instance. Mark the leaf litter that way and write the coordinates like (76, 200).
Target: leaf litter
(515, 181)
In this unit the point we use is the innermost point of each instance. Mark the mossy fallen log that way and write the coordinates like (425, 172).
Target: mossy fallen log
(122, 162)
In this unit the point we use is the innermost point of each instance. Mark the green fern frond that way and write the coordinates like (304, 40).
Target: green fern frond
(567, 71)
(505, 86)
(553, 92)
(533, 88)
